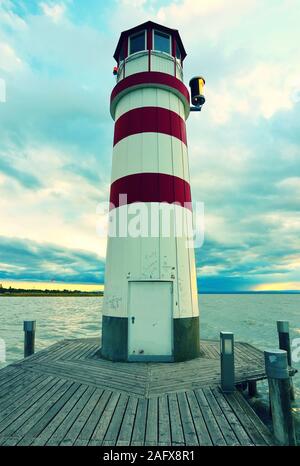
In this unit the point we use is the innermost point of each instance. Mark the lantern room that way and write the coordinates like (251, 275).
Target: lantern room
(150, 47)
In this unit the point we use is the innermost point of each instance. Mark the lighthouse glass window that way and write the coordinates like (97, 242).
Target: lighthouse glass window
(137, 42)
(162, 42)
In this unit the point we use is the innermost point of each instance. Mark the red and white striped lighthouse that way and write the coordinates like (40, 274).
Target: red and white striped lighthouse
(150, 310)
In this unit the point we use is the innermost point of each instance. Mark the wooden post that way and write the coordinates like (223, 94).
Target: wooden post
(29, 337)
(279, 390)
(252, 388)
(285, 344)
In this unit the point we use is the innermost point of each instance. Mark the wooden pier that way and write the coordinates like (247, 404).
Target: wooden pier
(67, 395)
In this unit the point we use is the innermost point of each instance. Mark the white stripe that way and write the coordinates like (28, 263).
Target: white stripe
(149, 97)
(149, 258)
(150, 153)
(159, 62)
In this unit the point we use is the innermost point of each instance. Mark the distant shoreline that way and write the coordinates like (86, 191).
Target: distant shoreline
(250, 292)
(4, 293)
(56, 295)
(97, 294)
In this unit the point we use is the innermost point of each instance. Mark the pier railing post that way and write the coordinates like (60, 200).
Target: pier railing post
(29, 337)
(227, 362)
(279, 390)
(285, 344)
(252, 388)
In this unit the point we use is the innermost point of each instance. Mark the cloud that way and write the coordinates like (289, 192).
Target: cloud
(29, 260)
(26, 179)
(54, 11)
(9, 61)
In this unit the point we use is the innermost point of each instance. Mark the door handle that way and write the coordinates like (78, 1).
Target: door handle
(132, 320)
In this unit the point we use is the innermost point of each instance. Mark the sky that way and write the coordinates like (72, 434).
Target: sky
(56, 136)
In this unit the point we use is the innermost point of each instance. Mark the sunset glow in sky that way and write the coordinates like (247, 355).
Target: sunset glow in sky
(56, 136)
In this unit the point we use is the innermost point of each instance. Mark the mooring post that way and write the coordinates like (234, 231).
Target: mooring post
(29, 337)
(279, 390)
(227, 362)
(252, 388)
(285, 344)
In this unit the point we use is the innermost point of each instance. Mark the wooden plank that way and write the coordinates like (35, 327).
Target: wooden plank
(59, 417)
(47, 412)
(98, 380)
(16, 424)
(239, 431)
(69, 350)
(92, 340)
(21, 390)
(151, 437)
(13, 386)
(53, 352)
(102, 426)
(11, 376)
(177, 437)
(40, 354)
(89, 353)
(83, 368)
(27, 417)
(190, 434)
(80, 352)
(48, 353)
(94, 367)
(7, 371)
(250, 428)
(256, 421)
(126, 431)
(112, 432)
(139, 430)
(224, 426)
(200, 426)
(164, 433)
(89, 427)
(208, 352)
(81, 420)
(62, 431)
(18, 428)
(212, 426)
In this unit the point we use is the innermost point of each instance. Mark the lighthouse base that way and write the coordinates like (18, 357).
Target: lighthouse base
(186, 340)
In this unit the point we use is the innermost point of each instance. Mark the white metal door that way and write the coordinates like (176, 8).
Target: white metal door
(150, 321)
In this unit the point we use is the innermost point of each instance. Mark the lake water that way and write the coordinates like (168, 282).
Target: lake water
(252, 318)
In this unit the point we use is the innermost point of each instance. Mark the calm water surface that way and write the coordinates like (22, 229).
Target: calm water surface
(252, 318)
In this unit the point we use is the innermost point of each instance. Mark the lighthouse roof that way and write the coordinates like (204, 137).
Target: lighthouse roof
(150, 25)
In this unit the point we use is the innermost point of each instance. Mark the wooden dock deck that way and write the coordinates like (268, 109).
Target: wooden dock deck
(67, 395)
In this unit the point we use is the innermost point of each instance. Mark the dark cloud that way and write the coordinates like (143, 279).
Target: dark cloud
(29, 260)
(219, 284)
(28, 180)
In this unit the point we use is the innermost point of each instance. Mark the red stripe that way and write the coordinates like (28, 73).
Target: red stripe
(150, 120)
(151, 77)
(151, 187)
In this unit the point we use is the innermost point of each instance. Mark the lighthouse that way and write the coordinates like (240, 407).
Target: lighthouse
(150, 309)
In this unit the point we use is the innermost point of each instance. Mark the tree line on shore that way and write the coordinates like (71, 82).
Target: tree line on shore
(34, 292)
